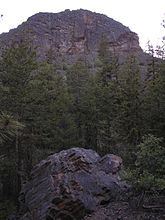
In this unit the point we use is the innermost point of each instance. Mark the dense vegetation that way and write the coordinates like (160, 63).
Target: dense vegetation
(119, 110)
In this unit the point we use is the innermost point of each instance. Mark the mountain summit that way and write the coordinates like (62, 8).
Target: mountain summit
(72, 34)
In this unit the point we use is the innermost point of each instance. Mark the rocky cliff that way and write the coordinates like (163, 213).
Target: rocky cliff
(69, 35)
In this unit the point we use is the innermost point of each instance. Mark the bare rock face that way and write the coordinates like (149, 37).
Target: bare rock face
(70, 35)
(70, 184)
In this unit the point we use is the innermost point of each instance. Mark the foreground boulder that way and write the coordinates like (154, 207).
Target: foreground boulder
(70, 184)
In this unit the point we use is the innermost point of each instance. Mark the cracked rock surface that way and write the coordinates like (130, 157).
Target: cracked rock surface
(71, 184)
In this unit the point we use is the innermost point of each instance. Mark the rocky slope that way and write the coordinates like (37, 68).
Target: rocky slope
(69, 35)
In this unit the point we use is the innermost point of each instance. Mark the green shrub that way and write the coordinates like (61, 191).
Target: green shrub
(149, 171)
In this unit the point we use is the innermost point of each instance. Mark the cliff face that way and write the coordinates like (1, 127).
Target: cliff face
(71, 34)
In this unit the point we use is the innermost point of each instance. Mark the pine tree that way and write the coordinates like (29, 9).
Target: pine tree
(129, 113)
(16, 68)
(154, 100)
(128, 123)
(108, 61)
(77, 82)
(8, 126)
(48, 111)
(107, 84)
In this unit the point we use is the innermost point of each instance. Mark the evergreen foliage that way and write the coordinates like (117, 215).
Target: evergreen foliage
(109, 111)
(148, 173)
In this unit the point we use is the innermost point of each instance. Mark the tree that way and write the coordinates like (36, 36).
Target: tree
(154, 99)
(78, 85)
(106, 89)
(9, 129)
(49, 122)
(108, 61)
(128, 121)
(8, 126)
(148, 173)
(17, 65)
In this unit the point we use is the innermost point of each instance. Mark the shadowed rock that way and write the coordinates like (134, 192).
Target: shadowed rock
(70, 184)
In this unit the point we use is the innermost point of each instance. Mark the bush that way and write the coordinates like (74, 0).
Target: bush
(149, 171)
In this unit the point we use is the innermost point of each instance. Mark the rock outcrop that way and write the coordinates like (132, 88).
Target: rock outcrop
(70, 35)
(70, 184)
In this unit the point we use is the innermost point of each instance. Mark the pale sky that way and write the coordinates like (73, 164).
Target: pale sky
(142, 16)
